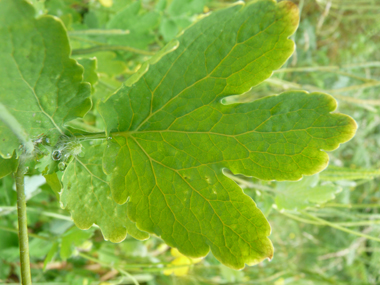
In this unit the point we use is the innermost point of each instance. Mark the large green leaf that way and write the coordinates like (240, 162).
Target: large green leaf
(39, 84)
(87, 196)
(172, 136)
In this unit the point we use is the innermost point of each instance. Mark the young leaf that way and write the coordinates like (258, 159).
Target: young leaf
(40, 85)
(301, 194)
(173, 136)
(87, 196)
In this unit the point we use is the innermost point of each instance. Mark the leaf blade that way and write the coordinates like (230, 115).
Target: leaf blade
(41, 86)
(174, 135)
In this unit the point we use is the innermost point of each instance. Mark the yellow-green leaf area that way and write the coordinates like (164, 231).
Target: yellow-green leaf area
(172, 136)
(39, 84)
(86, 194)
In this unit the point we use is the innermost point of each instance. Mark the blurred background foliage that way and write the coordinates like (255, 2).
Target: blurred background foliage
(325, 228)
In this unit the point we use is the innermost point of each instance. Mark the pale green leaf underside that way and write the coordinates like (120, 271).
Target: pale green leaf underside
(87, 196)
(39, 84)
(305, 193)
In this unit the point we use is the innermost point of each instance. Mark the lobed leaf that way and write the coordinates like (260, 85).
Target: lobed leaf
(173, 176)
(172, 136)
(39, 84)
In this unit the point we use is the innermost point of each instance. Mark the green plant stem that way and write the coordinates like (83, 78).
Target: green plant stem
(78, 124)
(341, 224)
(338, 227)
(366, 85)
(332, 69)
(110, 48)
(296, 218)
(44, 213)
(88, 257)
(16, 232)
(136, 267)
(26, 278)
(329, 67)
(99, 32)
(351, 206)
(289, 85)
(359, 223)
(84, 40)
(101, 135)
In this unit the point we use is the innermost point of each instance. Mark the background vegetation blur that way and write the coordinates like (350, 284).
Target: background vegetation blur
(325, 228)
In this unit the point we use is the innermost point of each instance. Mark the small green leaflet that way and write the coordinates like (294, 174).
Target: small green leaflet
(302, 194)
(172, 134)
(39, 84)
